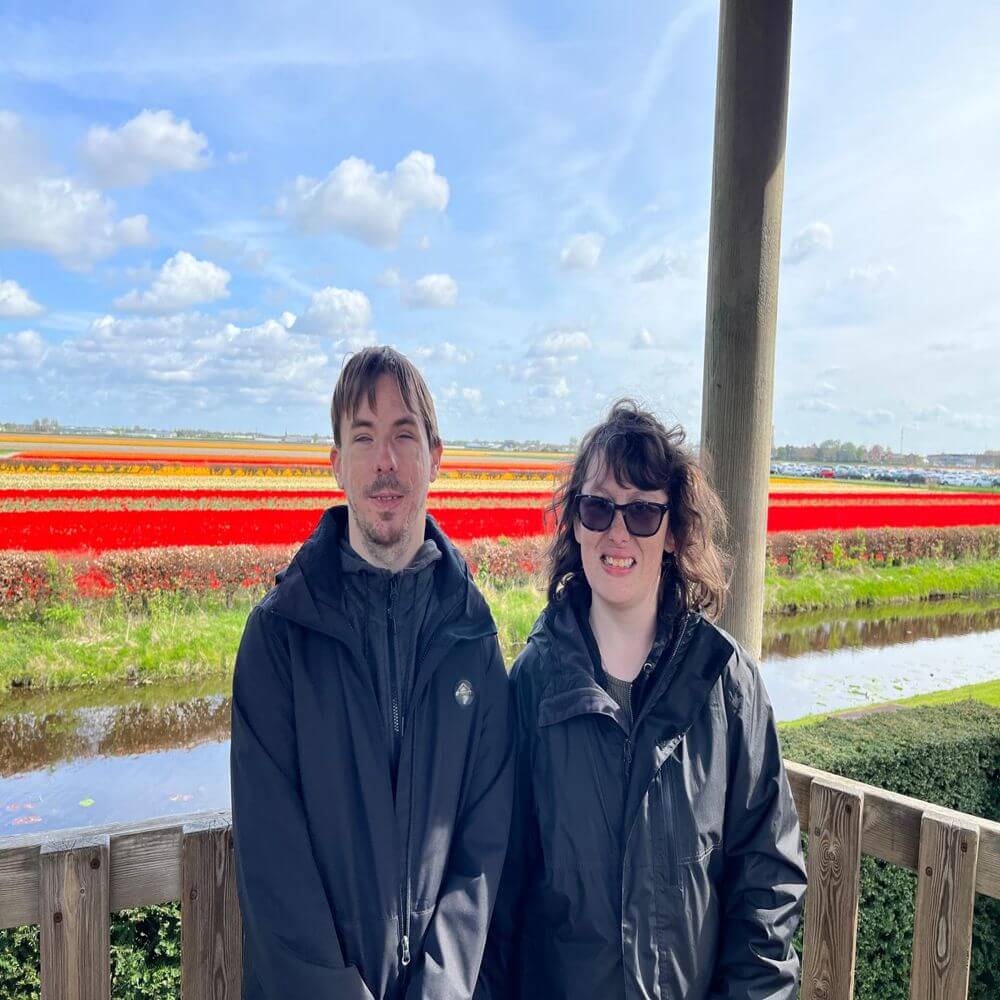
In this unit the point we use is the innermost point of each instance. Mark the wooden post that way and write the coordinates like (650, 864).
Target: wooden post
(751, 104)
(211, 929)
(75, 917)
(942, 923)
(831, 920)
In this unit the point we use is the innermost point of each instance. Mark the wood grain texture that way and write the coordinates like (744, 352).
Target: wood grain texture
(74, 912)
(145, 863)
(891, 825)
(946, 893)
(834, 867)
(211, 929)
(748, 169)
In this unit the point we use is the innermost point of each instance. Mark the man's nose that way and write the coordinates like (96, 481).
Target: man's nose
(385, 457)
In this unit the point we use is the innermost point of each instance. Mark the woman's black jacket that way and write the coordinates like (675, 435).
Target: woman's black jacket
(661, 863)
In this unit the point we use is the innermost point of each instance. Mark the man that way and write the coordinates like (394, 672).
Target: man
(371, 745)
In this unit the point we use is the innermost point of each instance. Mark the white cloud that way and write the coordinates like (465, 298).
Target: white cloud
(183, 362)
(56, 215)
(389, 278)
(369, 205)
(21, 350)
(341, 315)
(871, 277)
(445, 352)
(660, 266)
(582, 252)
(182, 282)
(877, 417)
(815, 238)
(424, 243)
(566, 344)
(816, 405)
(643, 340)
(432, 291)
(466, 394)
(941, 414)
(556, 388)
(153, 142)
(15, 301)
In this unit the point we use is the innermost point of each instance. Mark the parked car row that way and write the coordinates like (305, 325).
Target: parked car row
(965, 478)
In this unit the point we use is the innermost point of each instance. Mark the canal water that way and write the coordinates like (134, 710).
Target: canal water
(96, 756)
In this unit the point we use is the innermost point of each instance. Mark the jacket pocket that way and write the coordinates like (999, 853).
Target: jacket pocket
(667, 850)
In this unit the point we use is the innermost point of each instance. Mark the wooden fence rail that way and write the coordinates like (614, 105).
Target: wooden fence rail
(70, 882)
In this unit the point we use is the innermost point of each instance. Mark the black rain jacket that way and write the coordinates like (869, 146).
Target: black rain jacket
(659, 863)
(337, 880)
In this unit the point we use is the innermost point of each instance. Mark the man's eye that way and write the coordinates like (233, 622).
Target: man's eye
(362, 440)
(407, 434)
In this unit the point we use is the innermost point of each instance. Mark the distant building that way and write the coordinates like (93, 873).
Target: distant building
(987, 460)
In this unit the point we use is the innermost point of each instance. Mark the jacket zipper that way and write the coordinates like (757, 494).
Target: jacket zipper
(681, 630)
(404, 889)
(405, 944)
(397, 729)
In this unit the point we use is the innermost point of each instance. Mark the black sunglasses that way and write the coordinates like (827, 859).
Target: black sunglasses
(642, 517)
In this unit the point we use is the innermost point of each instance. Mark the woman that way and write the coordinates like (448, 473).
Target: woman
(655, 849)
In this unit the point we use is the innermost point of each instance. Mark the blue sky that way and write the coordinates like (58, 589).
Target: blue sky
(203, 209)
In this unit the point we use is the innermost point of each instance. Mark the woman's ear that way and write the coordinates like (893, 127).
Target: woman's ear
(668, 542)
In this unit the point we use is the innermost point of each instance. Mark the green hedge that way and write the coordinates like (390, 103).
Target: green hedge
(948, 755)
(145, 956)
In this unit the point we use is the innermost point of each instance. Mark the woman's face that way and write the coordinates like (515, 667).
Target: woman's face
(622, 569)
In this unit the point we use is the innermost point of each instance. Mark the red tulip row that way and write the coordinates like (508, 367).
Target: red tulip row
(83, 530)
(482, 515)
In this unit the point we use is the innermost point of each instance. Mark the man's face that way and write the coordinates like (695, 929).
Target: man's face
(385, 466)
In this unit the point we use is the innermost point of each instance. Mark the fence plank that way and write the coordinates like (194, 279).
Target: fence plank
(946, 893)
(211, 930)
(891, 827)
(74, 914)
(834, 865)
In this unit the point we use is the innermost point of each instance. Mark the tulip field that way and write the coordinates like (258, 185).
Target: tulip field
(79, 495)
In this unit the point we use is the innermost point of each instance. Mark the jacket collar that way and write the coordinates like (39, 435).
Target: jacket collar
(309, 592)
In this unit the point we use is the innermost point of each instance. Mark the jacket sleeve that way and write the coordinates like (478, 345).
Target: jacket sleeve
(455, 939)
(765, 879)
(499, 977)
(290, 941)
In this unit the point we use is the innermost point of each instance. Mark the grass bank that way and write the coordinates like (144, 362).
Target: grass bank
(106, 642)
(185, 636)
(988, 693)
(929, 579)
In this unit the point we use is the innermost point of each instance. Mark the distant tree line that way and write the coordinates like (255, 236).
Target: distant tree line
(833, 450)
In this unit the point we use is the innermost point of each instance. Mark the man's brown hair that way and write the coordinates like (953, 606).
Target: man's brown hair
(358, 377)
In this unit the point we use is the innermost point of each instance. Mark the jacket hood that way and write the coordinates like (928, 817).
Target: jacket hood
(309, 591)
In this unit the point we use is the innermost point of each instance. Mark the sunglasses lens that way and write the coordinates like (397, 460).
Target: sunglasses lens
(596, 514)
(642, 519)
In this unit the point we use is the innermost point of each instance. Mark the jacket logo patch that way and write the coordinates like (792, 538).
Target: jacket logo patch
(464, 694)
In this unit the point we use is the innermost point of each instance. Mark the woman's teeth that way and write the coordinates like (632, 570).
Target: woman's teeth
(624, 563)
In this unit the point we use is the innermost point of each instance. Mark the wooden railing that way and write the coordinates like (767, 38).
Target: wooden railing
(70, 882)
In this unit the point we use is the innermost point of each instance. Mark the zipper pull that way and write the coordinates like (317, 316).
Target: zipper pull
(628, 755)
(406, 950)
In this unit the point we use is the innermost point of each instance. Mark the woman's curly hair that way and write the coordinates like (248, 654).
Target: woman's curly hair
(642, 453)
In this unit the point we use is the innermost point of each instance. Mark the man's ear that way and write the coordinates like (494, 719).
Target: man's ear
(335, 463)
(436, 454)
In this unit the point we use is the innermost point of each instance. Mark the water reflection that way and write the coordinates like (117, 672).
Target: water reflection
(797, 635)
(41, 729)
(95, 755)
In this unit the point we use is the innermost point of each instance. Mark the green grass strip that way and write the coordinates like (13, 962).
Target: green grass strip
(187, 637)
(917, 581)
(987, 692)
